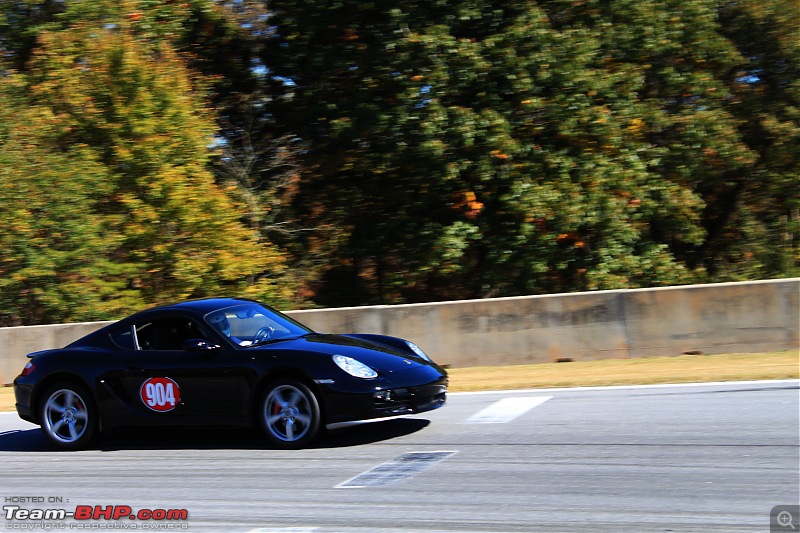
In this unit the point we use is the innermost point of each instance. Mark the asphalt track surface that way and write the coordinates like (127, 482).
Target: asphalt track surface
(710, 457)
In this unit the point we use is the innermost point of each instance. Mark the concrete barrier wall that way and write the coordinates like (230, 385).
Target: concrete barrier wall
(757, 316)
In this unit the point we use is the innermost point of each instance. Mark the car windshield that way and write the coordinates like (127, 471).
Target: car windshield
(251, 323)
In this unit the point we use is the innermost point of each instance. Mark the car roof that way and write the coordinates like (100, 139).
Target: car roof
(197, 308)
(203, 305)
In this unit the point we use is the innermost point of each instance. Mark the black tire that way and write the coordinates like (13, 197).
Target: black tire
(289, 414)
(67, 416)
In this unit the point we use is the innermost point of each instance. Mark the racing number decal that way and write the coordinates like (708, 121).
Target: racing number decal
(160, 394)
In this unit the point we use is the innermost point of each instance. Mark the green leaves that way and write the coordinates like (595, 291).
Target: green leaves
(52, 249)
(106, 173)
(405, 152)
(523, 108)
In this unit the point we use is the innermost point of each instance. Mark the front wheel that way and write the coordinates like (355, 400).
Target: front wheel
(67, 416)
(289, 414)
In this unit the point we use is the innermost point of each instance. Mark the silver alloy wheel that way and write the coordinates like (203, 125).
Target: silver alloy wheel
(66, 416)
(288, 414)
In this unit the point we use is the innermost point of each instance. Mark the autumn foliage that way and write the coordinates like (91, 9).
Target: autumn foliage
(350, 153)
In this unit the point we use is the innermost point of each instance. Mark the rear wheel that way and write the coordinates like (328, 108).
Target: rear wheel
(289, 414)
(67, 416)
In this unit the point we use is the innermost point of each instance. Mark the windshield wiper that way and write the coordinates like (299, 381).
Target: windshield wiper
(281, 339)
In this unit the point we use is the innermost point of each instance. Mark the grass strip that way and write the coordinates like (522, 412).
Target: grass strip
(640, 371)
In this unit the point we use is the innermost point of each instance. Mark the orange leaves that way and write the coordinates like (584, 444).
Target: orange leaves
(468, 202)
(636, 126)
(571, 238)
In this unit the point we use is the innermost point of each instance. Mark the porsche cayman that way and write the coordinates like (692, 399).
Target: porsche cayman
(221, 362)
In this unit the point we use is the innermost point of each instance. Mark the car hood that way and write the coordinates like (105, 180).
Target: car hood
(378, 356)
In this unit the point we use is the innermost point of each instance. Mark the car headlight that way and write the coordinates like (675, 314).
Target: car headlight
(417, 350)
(353, 367)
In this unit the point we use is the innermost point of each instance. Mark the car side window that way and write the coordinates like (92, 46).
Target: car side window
(124, 338)
(168, 333)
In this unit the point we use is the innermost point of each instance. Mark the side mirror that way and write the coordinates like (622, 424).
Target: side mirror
(198, 345)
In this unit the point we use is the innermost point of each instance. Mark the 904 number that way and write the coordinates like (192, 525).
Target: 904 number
(160, 394)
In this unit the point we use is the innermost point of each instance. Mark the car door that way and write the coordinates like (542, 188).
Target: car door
(170, 382)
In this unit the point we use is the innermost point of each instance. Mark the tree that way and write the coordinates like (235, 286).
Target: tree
(409, 152)
(477, 148)
(131, 133)
(755, 228)
(56, 249)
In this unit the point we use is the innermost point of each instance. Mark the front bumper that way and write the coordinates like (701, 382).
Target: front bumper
(381, 398)
(409, 400)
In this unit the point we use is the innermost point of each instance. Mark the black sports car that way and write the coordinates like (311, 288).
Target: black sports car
(223, 361)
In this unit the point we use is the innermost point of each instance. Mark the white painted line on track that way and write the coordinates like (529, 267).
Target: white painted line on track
(630, 387)
(284, 530)
(396, 470)
(506, 410)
